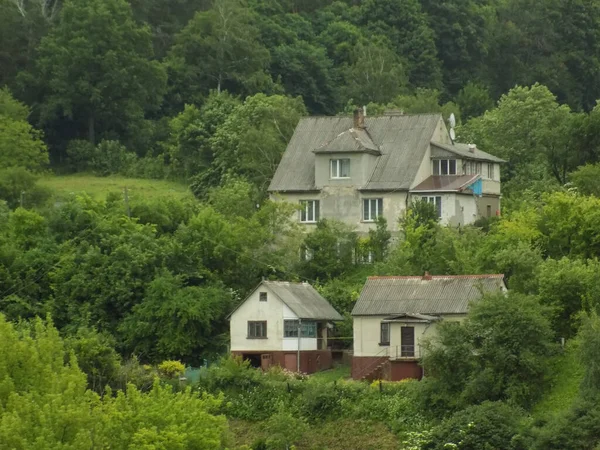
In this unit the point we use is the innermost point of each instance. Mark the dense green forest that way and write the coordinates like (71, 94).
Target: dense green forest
(186, 107)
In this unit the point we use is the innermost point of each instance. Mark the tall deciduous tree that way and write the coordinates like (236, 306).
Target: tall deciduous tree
(96, 69)
(375, 74)
(218, 49)
(405, 24)
(530, 130)
(21, 145)
(252, 140)
(499, 353)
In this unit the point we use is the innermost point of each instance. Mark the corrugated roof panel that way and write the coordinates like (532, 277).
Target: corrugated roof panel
(420, 295)
(445, 183)
(402, 140)
(463, 150)
(303, 300)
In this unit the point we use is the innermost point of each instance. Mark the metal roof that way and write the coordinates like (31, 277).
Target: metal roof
(428, 295)
(402, 140)
(303, 300)
(446, 183)
(350, 141)
(464, 151)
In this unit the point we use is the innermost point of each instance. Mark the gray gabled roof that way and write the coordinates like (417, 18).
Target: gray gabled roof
(463, 151)
(427, 295)
(354, 140)
(303, 300)
(402, 140)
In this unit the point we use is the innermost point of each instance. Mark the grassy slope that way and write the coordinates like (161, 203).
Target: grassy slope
(567, 374)
(331, 375)
(332, 435)
(99, 187)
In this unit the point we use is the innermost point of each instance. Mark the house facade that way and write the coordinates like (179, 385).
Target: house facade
(285, 324)
(393, 315)
(355, 169)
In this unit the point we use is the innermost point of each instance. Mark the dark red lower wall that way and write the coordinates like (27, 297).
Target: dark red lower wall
(401, 370)
(376, 367)
(311, 361)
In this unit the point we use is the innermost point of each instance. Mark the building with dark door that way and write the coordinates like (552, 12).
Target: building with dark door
(394, 314)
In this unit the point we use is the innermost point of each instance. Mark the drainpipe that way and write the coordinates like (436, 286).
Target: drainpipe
(299, 336)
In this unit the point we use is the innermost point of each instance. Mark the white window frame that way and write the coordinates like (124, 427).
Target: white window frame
(308, 209)
(308, 329)
(336, 166)
(437, 166)
(436, 200)
(490, 171)
(368, 214)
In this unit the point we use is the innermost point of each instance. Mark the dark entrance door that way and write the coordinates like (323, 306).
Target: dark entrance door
(407, 341)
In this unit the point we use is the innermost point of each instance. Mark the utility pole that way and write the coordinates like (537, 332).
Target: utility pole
(299, 336)
(127, 210)
(22, 199)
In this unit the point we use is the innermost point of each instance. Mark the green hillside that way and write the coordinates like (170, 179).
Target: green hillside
(99, 187)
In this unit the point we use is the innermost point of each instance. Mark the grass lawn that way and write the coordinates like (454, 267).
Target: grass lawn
(99, 187)
(344, 434)
(331, 375)
(567, 374)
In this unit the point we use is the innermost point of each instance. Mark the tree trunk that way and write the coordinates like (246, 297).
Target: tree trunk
(92, 129)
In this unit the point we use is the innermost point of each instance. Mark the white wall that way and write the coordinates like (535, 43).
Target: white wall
(252, 309)
(305, 344)
(367, 333)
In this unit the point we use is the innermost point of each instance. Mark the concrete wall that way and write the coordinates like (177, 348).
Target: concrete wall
(484, 201)
(491, 187)
(253, 309)
(457, 209)
(366, 330)
(361, 169)
(345, 203)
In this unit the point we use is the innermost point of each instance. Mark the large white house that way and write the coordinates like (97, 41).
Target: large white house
(357, 169)
(394, 314)
(283, 323)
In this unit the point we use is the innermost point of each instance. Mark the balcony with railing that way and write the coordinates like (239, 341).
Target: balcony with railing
(400, 352)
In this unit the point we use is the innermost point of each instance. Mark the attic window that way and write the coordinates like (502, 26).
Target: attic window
(340, 168)
(263, 296)
(444, 167)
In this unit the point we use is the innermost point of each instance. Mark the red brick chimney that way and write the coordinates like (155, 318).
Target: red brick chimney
(427, 276)
(359, 118)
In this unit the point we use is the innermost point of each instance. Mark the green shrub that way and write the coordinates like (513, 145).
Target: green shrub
(576, 429)
(231, 374)
(171, 369)
(110, 157)
(18, 184)
(490, 425)
(80, 154)
(320, 401)
(284, 429)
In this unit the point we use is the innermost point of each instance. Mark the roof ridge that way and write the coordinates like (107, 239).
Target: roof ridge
(372, 116)
(408, 277)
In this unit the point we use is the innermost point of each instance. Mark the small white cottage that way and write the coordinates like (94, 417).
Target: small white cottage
(283, 323)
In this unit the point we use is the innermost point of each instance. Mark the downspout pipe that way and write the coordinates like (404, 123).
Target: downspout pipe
(299, 337)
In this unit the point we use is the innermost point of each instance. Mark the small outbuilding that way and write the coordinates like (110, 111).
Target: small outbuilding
(394, 314)
(283, 323)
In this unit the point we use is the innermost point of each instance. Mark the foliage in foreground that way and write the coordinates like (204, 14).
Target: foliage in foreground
(45, 403)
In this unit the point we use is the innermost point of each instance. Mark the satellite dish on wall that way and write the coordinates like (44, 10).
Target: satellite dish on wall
(452, 123)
